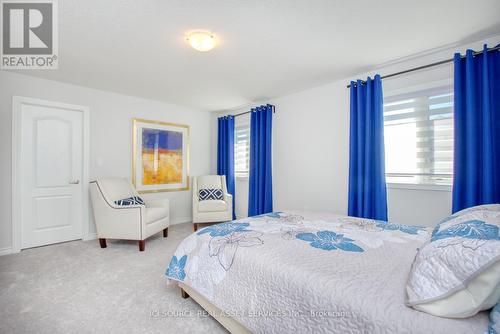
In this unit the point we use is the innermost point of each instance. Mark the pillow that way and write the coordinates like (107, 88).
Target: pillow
(489, 207)
(494, 326)
(134, 200)
(457, 272)
(210, 194)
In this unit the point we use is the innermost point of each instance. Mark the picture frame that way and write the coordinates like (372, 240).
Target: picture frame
(160, 156)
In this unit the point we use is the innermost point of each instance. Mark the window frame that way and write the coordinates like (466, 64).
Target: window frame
(240, 174)
(408, 92)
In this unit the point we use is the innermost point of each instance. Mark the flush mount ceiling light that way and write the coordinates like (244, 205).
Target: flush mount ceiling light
(201, 40)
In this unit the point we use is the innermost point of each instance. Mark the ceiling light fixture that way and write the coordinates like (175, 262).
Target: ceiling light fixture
(201, 40)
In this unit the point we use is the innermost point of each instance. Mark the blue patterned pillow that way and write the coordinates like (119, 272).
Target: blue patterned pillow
(494, 326)
(459, 264)
(484, 207)
(210, 194)
(134, 200)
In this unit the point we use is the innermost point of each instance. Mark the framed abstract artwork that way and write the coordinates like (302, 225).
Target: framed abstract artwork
(160, 157)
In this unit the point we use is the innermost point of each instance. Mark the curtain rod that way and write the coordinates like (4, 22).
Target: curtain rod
(430, 65)
(247, 112)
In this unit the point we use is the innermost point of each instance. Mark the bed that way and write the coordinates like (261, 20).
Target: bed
(302, 272)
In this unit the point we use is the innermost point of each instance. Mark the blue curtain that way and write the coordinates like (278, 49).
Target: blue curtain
(225, 153)
(476, 168)
(260, 197)
(367, 188)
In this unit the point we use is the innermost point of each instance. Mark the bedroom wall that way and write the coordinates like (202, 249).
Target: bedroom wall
(311, 143)
(110, 137)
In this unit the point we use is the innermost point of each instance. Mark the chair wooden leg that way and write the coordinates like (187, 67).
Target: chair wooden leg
(184, 294)
(102, 242)
(141, 245)
(195, 226)
(165, 232)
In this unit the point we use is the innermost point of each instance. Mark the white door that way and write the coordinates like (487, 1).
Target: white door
(51, 163)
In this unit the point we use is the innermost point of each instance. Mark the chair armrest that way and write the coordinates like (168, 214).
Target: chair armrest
(196, 199)
(155, 203)
(229, 202)
(228, 198)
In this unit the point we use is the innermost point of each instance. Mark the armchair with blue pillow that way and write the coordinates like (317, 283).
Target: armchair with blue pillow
(120, 213)
(211, 201)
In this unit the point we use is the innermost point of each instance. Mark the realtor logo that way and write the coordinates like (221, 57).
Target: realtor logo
(29, 34)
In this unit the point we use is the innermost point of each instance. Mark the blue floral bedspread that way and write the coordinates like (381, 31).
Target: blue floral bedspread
(310, 272)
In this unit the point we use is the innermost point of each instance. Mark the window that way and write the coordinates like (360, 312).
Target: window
(418, 131)
(241, 150)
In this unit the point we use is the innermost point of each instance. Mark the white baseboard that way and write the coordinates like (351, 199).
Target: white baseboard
(90, 236)
(181, 221)
(93, 236)
(5, 251)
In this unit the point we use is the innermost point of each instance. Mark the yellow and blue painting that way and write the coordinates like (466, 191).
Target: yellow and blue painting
(161, 157)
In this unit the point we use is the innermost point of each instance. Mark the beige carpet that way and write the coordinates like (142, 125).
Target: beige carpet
(77, 287)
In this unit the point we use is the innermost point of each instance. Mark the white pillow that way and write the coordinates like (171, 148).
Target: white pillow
(457, 272)
(489, 207)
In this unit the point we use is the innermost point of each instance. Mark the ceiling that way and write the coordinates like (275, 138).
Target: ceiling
(267, 48)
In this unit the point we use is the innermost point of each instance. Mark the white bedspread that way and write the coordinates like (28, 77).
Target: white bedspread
(311, 273)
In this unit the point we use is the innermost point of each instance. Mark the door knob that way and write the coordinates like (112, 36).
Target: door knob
(74, 182)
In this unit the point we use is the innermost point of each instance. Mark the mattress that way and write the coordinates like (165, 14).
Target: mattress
(306, 272)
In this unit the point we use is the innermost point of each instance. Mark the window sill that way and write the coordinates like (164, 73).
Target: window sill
(241, 177)
(414, 186)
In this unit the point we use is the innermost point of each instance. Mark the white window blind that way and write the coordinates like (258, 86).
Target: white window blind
(418, 133)
(241, 150)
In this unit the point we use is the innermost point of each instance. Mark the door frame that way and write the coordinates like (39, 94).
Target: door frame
(17, 102)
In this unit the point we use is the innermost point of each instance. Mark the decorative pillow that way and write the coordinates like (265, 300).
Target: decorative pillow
(457, 272)
(210, 194)
(489, 207)
(494, 326)
(134, 200)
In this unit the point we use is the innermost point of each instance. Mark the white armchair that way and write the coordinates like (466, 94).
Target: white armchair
(130, 222)
(211, 211)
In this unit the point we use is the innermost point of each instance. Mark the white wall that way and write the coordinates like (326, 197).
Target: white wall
(311, 150)
(110, 136)
(311, 145)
